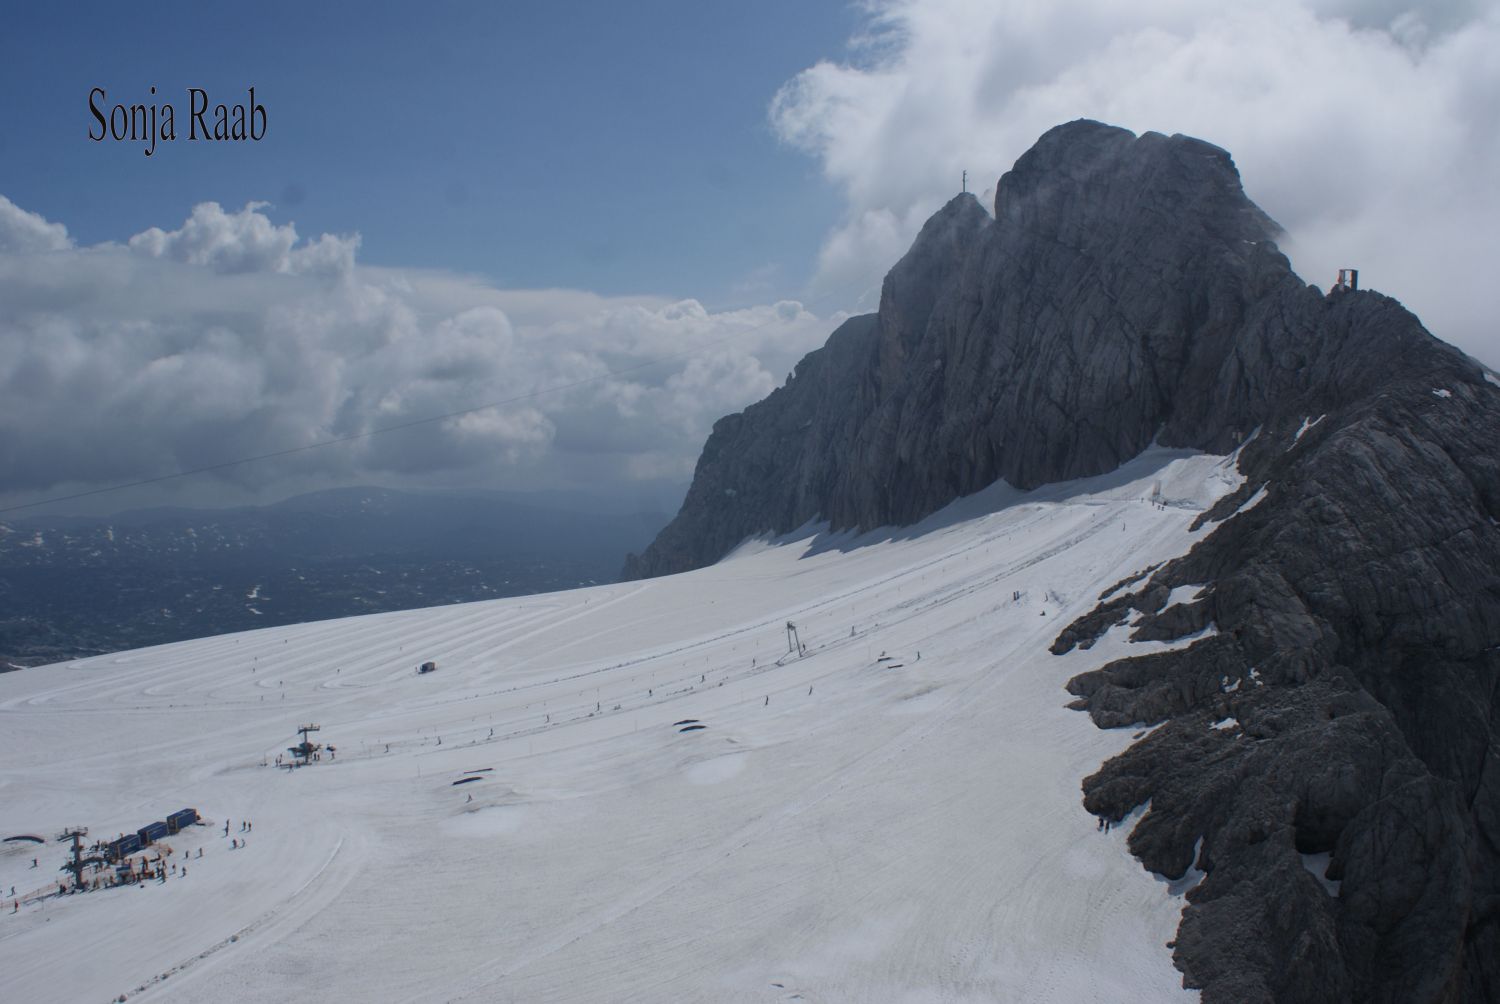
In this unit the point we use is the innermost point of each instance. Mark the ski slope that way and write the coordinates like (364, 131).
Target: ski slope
(842, 829)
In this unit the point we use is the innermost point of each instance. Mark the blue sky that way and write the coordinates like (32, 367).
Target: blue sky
(621, 147)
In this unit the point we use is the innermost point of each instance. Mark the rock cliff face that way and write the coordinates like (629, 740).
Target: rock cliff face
(1126, 291)
(1356, 665)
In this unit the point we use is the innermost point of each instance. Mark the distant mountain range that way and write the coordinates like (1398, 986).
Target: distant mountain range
(72, 586)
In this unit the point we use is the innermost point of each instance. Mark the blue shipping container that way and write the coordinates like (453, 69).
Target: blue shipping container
(128, 844)
(181, 819)
(153, 831)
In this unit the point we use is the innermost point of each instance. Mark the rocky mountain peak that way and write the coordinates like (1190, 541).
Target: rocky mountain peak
(1077, 169)
(1113, 299)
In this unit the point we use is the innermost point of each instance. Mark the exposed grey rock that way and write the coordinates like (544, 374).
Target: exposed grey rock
(1364, 590)
(759, 470)
(1126, 290)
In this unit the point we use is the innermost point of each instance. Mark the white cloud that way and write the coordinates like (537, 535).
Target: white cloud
(246, 241)
(27, 233)
(225, 338)
(1370, 131)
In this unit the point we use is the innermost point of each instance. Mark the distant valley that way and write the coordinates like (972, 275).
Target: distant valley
(77, 586)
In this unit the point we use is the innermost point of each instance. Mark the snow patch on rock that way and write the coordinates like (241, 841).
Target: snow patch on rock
(1307, 424)
(1317, 867)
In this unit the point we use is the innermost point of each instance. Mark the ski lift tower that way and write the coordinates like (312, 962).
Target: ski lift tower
(304, 750)
(75, 834)
(793, 643)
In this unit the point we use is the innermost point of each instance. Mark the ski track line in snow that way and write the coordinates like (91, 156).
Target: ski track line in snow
(496, 970)
(804, 609)
(182, 744)
(939, 596)
(322, 888)
(189, 665)
(799, 611)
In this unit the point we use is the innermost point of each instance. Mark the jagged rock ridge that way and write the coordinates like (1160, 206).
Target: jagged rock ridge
(1355, 660)
(1126, 290)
